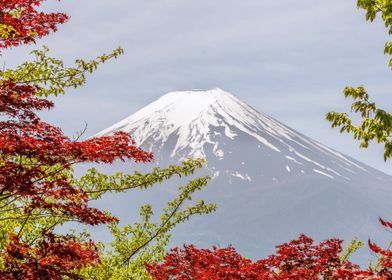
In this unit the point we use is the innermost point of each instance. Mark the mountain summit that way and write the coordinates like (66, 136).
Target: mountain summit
(271, 182)
(189, 115)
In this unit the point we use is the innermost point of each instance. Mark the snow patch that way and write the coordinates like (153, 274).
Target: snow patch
(322, 173)
(245, 177)
(293, 159)
(229, 133)
(215, 175)
(320, 165)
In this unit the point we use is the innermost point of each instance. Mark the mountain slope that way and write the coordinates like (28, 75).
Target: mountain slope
(271, 182)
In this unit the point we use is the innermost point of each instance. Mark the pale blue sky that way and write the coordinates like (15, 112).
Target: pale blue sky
(289, 59)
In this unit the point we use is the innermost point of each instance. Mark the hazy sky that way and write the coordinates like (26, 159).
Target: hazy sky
(289, 59)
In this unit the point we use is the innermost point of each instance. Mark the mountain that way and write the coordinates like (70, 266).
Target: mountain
(271, 183)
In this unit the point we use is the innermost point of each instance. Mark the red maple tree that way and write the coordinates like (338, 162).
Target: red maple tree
(21, 22)
(54, 257)
(34, 156)
(296, 260)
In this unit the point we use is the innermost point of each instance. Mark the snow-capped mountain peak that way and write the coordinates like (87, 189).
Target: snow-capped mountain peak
(189, 114)
(198, 122)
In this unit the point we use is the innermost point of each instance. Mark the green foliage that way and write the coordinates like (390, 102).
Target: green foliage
(7, 31)
(144, 241)
(375, 124)
(52, 75)
(96, 183)
(384, 9)
(354, 246)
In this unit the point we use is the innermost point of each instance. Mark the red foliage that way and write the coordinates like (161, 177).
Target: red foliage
(33, 156)
(53, 258)
(24, 135)
(298, 259)
(385, 256)
(27, 23)
(302, 259)
(203, 264)
(386, 223)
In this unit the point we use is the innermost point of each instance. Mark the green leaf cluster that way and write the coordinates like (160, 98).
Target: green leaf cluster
(354, 246)
(51, 74)
(375, 123)
(146, 241)
(384, 9)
